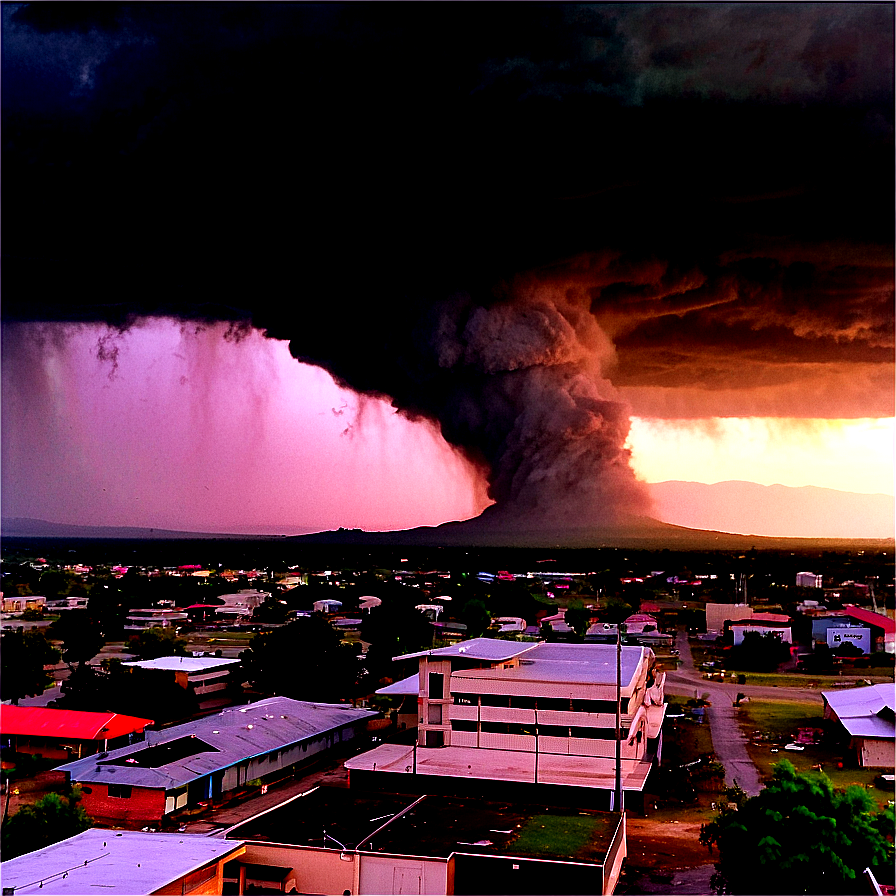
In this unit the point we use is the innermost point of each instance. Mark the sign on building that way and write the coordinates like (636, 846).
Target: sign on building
(858, 636)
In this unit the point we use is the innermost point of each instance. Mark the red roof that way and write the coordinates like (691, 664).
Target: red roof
(40, 721)
(870, 618)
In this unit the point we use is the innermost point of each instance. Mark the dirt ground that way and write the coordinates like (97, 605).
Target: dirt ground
(665, 857)
(666, 844)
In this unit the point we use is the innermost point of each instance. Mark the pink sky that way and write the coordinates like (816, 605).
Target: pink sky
(175, 426)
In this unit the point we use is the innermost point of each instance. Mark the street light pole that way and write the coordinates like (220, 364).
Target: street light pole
(536, 744)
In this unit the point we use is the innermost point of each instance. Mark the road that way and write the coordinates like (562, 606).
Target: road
(728, 742)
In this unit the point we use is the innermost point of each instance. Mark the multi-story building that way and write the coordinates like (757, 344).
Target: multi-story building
(534, 712)
(808, 580)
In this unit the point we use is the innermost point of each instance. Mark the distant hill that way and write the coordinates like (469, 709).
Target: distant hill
(774, 510)
(27, 528)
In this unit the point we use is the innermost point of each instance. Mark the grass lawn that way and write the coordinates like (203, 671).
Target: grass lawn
(781, 719)
(581, 837)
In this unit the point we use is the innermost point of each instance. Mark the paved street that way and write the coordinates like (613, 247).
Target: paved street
(728, 743)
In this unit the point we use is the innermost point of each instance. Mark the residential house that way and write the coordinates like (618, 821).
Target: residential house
(65, 734)
(867, 716)
(203, 759)
(531, 713)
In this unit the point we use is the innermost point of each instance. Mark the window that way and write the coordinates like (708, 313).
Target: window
(558, 704)
(553, 731)
(523, 702)
(598, 733)
(501, 700)
(436, 685)
(120, 791)
(463, 725)
(435, 714)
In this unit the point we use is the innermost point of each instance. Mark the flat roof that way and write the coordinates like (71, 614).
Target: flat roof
(503, 765)
(570, 663)
(218, 742)
(127, 863)
(432, 825)
(490, 649)
(183, 663)
(41, 721)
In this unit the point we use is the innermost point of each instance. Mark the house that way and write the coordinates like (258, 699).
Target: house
(867, 716)
(531, 713)
(766, 624)
(123, 863)
(203, 759)
(207, 677)
(334, 840)
(65, 734)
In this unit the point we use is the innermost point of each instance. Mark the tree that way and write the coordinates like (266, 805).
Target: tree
(22, 661)
(759, 652)
(81, 636)
(271, 610)
(393, 629)
(304, 660)
(157, 641)
(476, 617)
(143, 693)
(49, 820)
(800, 835)
(578, 618)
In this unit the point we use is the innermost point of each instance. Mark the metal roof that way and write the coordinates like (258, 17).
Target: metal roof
(488, 649)
(870, 618)
(866, 711)
(121, 863)
(407, 687)
(183, 663)
(572, 663)
(232, 736)
(39, 721)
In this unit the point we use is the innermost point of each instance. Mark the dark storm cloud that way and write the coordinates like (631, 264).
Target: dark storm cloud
(397, 188)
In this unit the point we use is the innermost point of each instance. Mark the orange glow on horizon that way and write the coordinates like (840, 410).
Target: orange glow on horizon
(848, 455)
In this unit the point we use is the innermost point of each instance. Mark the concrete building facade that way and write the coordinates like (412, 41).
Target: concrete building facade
(531, 712)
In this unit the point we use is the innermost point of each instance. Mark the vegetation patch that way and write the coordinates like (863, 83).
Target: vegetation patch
(582, 837)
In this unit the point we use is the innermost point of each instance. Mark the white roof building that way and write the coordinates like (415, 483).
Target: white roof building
(867, 714)
(122, 863)
(531, 713)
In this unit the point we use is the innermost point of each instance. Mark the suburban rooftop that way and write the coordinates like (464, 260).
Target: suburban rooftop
(431, 825)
